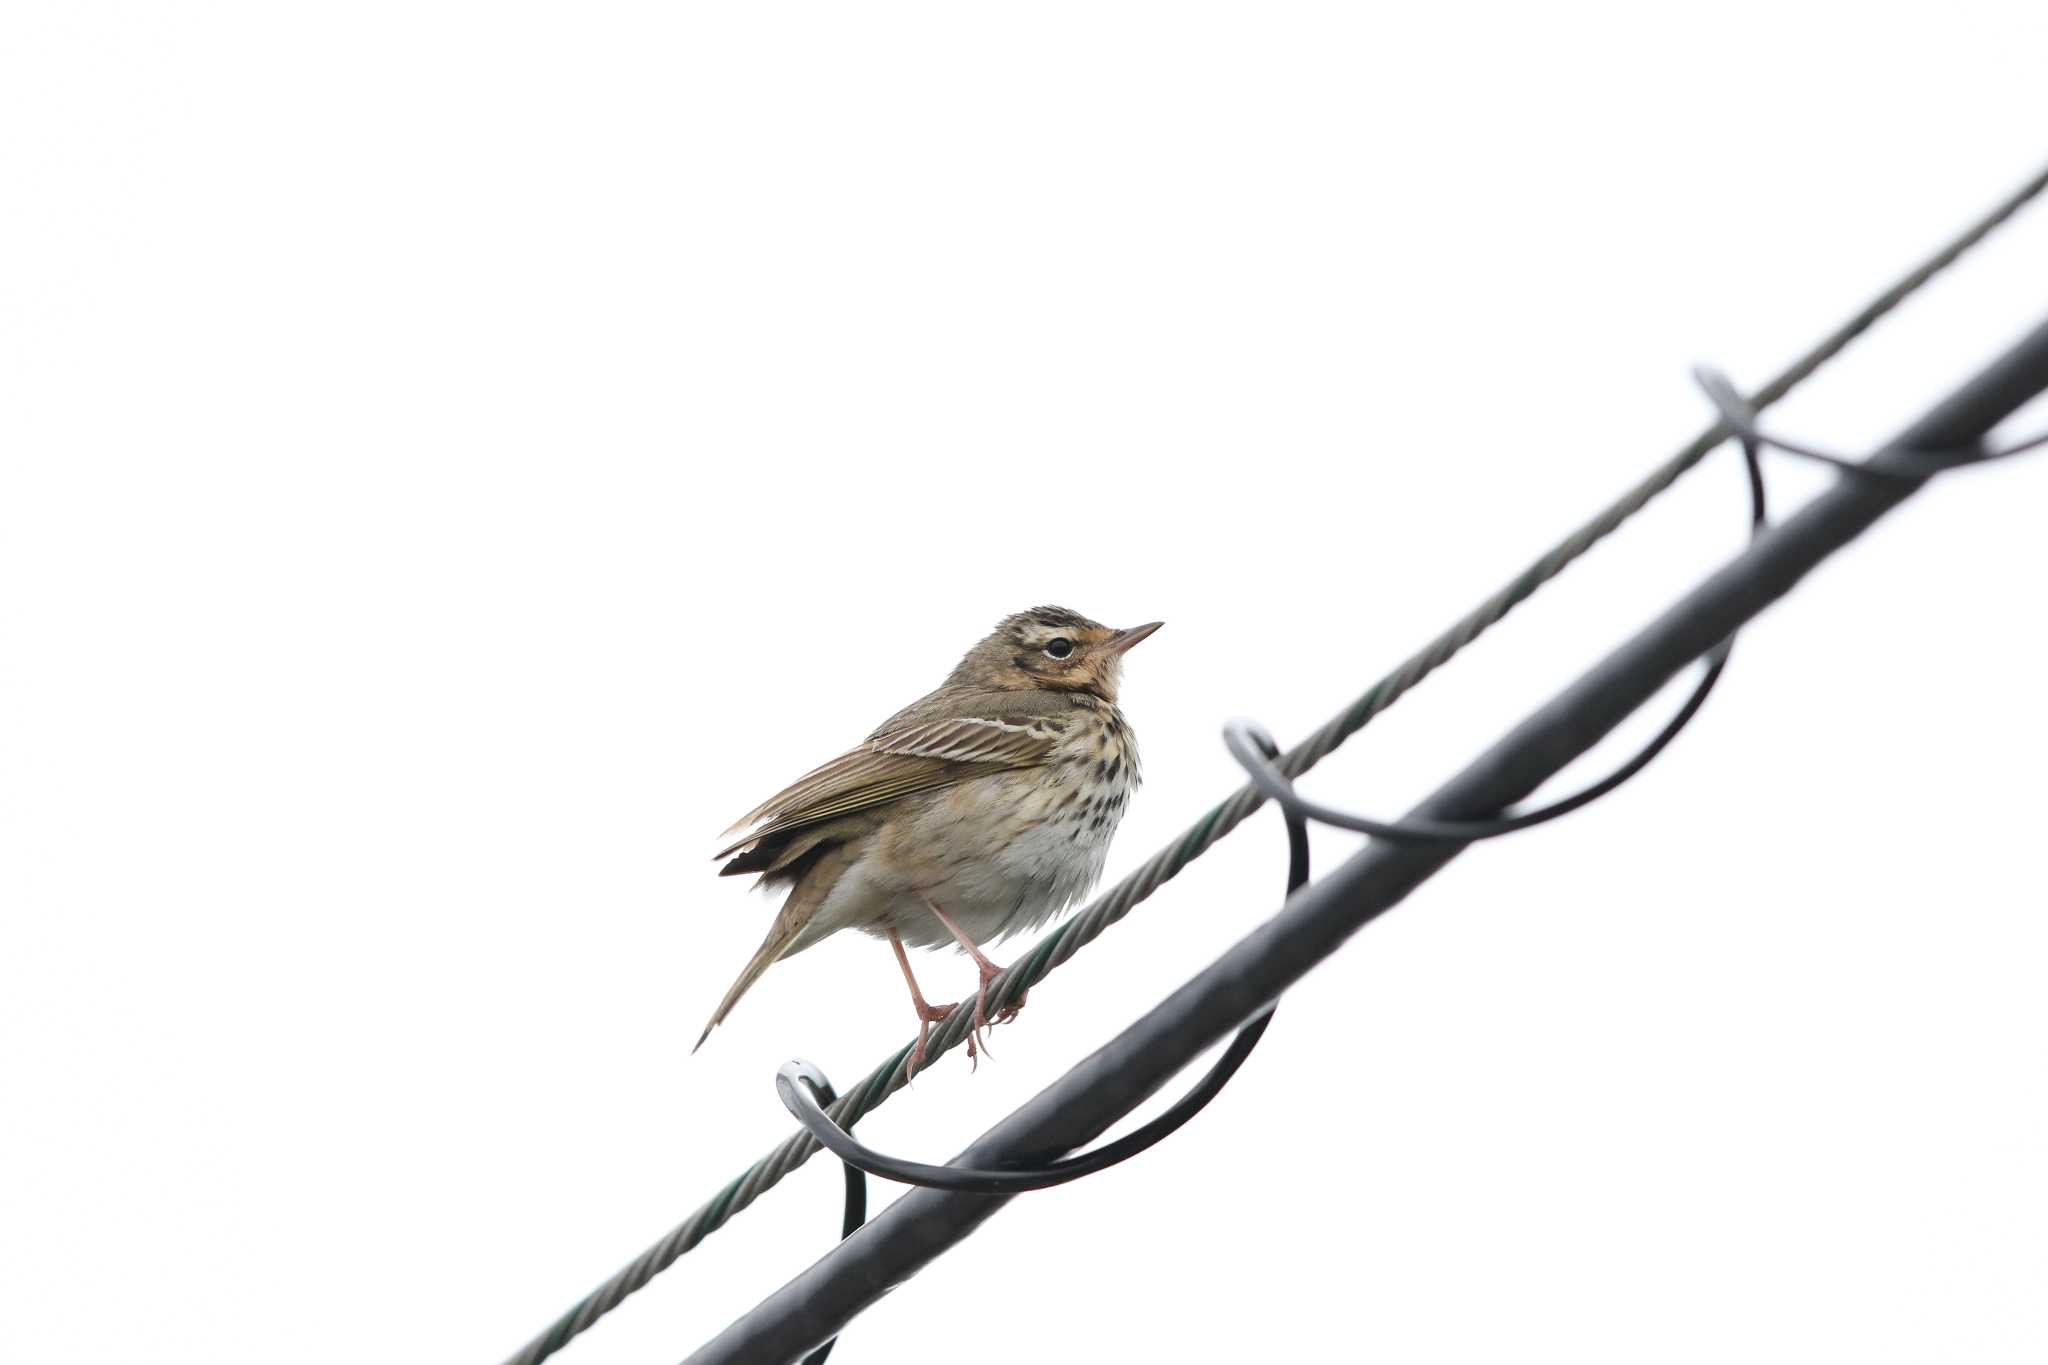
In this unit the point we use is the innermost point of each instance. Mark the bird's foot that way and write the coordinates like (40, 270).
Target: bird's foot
(982, 1023)
(927, 1015)
(989, 972)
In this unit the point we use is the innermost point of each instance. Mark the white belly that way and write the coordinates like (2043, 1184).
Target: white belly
(1001, 856)
(1038, 873)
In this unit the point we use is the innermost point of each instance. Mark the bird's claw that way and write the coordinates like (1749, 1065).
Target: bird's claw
(982, 1024)
(927, 1015)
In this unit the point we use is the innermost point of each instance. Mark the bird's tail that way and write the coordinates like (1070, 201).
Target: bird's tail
(772, 947)
(816, 873)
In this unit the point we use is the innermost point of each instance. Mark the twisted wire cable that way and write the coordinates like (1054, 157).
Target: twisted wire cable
(891, 1075)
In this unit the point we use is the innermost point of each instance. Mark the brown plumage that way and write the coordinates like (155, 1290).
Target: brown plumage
(982, 809)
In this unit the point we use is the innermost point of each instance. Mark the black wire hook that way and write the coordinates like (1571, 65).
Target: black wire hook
(856, 1191)
(1255, 751)
(798, 1085)
(1913, 466)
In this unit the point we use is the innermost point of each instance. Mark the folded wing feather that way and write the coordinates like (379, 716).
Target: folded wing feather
(896, 763)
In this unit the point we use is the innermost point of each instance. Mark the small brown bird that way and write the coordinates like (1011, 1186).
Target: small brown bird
(979, 811)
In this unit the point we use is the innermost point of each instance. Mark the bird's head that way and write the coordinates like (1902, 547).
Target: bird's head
(1050, 648)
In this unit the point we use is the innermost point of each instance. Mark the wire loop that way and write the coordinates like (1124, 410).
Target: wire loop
(856, 1186)
(1907, 466)
(1254, 749)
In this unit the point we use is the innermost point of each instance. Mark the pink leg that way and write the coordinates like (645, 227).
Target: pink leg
(927, 1015)
(989, 972)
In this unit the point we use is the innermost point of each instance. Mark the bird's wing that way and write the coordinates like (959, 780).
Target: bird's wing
(900, 762)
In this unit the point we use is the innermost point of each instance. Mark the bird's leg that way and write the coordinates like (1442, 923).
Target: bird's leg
(989, 972)
(927, 1015)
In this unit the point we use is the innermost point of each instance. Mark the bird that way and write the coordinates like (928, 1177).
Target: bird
(981, 810)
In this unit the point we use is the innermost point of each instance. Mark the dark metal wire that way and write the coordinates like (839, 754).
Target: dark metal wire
(885, 1079)
(1316, 921)
(797, 1084)
(805, 1092)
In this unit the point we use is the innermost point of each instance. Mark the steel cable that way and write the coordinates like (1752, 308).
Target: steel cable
(870, 1092)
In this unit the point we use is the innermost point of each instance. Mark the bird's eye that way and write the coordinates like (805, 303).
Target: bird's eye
(1059, 647)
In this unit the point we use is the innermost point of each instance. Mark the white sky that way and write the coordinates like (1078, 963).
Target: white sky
(457, 457)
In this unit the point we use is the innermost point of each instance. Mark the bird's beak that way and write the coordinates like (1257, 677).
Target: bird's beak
(1122, 641)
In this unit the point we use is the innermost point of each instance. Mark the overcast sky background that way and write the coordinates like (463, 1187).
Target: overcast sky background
(457, 457)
